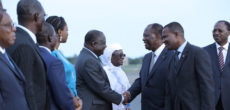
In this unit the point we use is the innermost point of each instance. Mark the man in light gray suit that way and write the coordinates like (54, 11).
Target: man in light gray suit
(92, 82)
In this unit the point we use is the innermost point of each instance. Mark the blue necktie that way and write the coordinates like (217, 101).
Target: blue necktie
(6, 56)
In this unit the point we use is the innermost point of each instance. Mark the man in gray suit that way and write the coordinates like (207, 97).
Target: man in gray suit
(92, 82)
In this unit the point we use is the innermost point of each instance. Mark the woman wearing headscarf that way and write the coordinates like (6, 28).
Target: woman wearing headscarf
(112, 59)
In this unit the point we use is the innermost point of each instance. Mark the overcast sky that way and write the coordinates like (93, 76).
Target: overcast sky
(123, 21)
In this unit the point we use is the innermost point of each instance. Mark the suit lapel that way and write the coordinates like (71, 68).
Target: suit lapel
(146, 66)
(32, 43)
(227, 58)
(15, 69)
(183, 57)
(85, 51)
(160, 59)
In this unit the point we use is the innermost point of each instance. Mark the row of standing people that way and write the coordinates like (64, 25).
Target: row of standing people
(195, 79)
(35, 78)
(177, 75)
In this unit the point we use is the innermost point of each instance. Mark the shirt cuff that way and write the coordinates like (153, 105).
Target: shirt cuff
(122, 99)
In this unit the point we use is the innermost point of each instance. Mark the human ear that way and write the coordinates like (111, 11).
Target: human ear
(59, 32)
(36, 16)
(49, 38)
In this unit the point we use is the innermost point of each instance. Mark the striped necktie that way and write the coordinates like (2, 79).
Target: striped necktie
(221, 58)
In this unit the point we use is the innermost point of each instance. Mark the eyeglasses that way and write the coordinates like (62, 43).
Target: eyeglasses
(120, 55)
(10, 25)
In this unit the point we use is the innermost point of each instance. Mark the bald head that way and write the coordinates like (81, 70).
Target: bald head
(95, 41)
(92, 36)
(155, 28)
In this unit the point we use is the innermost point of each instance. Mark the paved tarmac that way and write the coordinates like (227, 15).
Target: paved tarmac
(136, 103)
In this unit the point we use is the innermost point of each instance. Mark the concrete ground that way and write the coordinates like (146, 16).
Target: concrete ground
(136, 103)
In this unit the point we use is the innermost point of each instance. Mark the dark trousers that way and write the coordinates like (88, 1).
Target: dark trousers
(219, 105)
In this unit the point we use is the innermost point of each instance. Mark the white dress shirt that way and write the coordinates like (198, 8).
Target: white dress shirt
(2, 50)
(157, 53)
(181, 49)
(45, 48)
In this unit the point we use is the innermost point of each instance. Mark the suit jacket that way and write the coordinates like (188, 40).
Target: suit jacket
(93, 84)
(26, 55)
(12, 82)
(59, 94)
(191, 85)
(152, 85)
(222, 79)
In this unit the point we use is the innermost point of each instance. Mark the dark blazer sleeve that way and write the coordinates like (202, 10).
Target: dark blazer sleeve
(60, 91)
(205, 80)
(97, 83)
(135, 89)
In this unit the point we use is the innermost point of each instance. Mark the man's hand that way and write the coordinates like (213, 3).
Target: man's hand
(126, 96)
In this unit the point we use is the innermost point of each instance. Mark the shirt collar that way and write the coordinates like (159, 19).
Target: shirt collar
(225, 46)
(2, 50)
(32, 35)
(181, 48)
(91, 52)
(159, 50)
(45, 48)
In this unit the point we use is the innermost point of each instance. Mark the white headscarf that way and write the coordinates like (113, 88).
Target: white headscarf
(117, 77)
(106, 57)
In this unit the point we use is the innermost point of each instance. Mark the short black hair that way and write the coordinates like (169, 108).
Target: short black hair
(92, 35)
(226, 23)
(56, 22)
(27, 8)
(156, 28)
(175, 27)
(47, 31)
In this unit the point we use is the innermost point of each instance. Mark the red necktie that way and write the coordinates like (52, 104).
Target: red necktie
(221, 58)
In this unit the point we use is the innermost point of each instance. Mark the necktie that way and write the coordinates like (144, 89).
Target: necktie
(7, 58)
(152, 62)
(176, 59)
(221, 58)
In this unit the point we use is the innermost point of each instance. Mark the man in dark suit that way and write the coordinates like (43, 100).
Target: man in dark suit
(92, 82)
(12, 81)
(59, 94)
(154, 72)
(220, 59)
(26, 54)
(190, 82)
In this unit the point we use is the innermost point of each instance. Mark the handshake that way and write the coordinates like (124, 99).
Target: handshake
(127, 97)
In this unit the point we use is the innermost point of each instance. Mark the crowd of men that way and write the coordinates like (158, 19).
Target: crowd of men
(175, 75)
